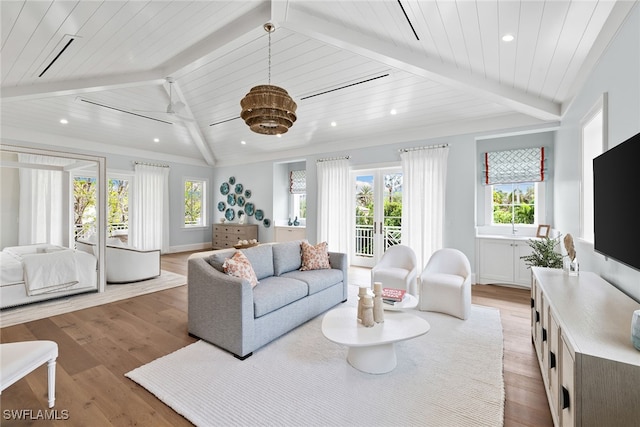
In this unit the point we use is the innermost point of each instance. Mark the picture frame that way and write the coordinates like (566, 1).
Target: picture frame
(543, 230)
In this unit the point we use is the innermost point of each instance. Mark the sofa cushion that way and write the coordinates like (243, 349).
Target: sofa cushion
(216, 259)
(261, 258)
(287, 257)
(317, 280)
(315, 257)
(239, 266)
(275, 292)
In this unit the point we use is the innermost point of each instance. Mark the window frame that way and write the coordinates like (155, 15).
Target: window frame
(539, 208)
(204, 219)
(586, 164)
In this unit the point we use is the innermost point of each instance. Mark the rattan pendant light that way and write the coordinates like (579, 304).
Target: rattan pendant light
(268, 109)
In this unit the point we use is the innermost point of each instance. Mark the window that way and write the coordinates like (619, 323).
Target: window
(298, 195)
(515, 186)
(84, 209)
(195, 213)
(593, 142)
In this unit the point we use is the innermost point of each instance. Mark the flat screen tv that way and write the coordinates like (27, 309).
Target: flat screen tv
(616, 195)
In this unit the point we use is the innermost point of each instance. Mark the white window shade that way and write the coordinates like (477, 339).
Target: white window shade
(522, 165)
(298, 182)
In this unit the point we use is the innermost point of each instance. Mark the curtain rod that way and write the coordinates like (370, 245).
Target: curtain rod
(333, 158)
(404, 150)
(151, 164)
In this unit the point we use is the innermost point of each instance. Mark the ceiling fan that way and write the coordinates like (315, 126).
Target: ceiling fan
(173, 108)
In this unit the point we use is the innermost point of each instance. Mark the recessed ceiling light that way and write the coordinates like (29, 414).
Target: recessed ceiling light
(393, 112)
(508, 38)
(64, 121)
(243, 142)
(334, 124)
(156, 139)
(279, 135)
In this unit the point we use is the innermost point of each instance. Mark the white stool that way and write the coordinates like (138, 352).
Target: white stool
(18, 359)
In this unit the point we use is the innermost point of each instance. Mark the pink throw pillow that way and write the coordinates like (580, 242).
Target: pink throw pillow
(315, 257)
(239, 266)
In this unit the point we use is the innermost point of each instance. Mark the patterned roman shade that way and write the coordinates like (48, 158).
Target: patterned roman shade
(298, 182)
(522, 165)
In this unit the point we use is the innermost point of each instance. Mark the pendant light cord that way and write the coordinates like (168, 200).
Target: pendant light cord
(269, 57)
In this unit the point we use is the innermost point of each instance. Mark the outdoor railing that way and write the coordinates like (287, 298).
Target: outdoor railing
(392, 235)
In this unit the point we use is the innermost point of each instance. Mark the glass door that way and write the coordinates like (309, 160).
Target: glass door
(377, 213)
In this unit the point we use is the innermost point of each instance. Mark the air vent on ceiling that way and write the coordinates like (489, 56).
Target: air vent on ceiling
(408, 20)
(224, 121)
(88, 101)
(57, 51)
(344, 86)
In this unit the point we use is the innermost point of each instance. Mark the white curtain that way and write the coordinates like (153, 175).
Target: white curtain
(424, 174)
(334, 224)
(41, 210)
(149, 227)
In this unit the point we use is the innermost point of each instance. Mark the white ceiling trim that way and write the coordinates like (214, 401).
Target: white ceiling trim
(397, 57)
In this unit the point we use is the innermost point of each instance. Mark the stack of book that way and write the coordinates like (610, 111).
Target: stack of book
(392, 296)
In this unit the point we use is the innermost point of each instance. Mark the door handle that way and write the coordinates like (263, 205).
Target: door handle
(380, 227)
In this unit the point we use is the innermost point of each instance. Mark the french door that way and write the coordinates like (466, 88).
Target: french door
(377, 199)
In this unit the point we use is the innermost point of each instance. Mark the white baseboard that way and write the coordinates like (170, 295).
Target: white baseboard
(189, 248)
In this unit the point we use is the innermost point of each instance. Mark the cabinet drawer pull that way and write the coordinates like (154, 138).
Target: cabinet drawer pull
(533, 303)
(565, 398)
(552, 360)
(544, 334)
(537, 316)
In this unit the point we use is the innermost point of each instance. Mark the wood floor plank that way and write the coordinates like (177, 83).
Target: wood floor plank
(98, 345)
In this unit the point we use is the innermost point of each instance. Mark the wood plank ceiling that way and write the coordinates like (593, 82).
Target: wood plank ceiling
(441, 66)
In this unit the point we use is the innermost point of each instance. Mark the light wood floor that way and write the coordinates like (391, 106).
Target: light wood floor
(98, 345)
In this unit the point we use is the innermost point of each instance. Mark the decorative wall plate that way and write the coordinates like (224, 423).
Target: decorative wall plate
(267, 222)
(239, 188)
(247, 194)
(259, 215)
(231, 199)
(232, 180)
(224, 188)
(221, 206)
(230, 214)
(249, 209)
(240, 200)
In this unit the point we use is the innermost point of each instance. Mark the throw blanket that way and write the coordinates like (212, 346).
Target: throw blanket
(49, 272)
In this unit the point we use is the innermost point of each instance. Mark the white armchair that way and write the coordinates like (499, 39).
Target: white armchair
(397, 268)
(445, 284)
(126, 264)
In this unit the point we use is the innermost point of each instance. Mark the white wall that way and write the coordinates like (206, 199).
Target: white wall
(618, 74)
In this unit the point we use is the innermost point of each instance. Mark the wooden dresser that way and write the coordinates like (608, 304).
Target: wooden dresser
(581, 330)
(226, 235)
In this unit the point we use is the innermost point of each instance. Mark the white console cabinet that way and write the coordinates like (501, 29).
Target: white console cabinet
(287, 234)
(581, 327)
(499, 261)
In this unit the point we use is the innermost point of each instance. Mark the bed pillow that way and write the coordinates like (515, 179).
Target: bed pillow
(315, 257)
(239, 266)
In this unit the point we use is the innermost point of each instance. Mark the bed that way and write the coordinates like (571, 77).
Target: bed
(40, 272)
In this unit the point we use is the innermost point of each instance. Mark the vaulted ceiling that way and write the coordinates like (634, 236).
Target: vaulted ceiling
(381, 71)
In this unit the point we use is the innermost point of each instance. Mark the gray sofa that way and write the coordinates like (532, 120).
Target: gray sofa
(225, 310)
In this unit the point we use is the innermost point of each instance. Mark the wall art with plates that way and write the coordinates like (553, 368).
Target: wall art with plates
(236, 195)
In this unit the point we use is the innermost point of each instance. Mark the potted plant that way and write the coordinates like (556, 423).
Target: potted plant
(544, 253)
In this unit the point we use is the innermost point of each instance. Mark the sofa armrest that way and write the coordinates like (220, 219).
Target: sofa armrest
(220, 308)
(338, 260)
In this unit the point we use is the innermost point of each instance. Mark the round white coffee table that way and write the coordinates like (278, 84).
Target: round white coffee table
(372, 350)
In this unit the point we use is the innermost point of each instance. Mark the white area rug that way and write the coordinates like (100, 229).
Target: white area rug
(452, 376)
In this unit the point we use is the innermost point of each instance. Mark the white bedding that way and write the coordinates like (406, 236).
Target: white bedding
(13, 287)
(49, 272)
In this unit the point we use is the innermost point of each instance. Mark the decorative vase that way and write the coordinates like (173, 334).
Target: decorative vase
(296, 222)
(367, 312)
(378, 308)
(635, 329)
(362, 291)
(290, 222)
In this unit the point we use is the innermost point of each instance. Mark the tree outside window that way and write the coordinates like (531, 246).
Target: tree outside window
(194, 203)
(514, 203)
